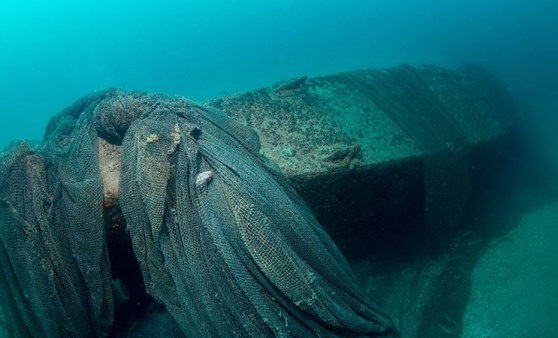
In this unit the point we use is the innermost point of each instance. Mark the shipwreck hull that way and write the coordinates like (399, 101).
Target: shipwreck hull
(385, 158)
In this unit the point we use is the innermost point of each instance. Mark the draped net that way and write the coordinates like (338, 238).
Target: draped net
(223, 242)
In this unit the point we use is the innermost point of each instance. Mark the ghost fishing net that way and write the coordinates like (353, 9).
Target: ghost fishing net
(223, 243)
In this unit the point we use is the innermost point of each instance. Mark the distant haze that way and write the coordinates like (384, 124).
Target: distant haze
(53, 52)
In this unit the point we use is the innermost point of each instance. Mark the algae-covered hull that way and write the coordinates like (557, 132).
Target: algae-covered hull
(386, 155)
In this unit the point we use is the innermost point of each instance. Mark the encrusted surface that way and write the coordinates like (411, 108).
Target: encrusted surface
(109, 165)
(390, 114)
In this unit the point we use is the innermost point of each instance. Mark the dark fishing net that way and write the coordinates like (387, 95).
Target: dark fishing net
(221, 239)
(55, 277)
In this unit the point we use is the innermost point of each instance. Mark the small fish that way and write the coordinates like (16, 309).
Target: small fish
(204, 178)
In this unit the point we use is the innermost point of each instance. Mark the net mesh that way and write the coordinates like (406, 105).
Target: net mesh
(222, 240)
(55, 267)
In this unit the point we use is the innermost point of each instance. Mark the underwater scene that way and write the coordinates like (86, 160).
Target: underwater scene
(280, 168)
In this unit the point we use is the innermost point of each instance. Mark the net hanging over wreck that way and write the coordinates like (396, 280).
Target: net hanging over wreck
(143, 214)
(222, 241)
